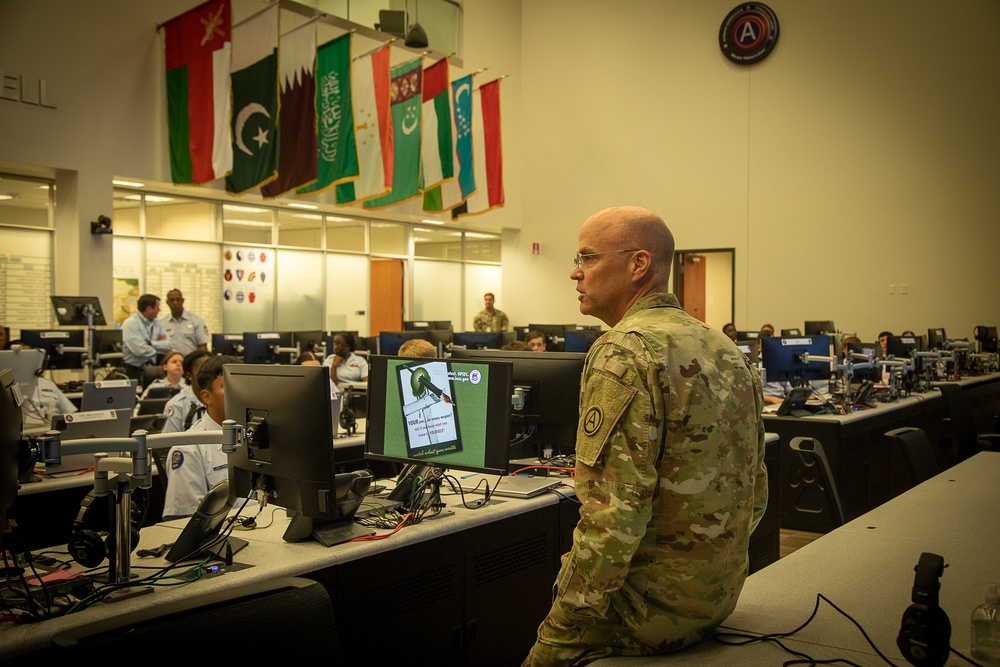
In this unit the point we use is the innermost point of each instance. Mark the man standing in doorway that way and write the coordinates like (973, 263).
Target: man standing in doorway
(187, 331)
(143, 336)
(669, 460)
(489, 318)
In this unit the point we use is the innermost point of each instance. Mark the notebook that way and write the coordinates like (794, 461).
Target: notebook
(511, 486)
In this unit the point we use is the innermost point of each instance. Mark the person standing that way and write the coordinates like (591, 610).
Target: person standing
(489, 318)
(670, 460)
(143, 336)
(187, 330)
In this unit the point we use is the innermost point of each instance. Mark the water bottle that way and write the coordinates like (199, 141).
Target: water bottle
(985, 627)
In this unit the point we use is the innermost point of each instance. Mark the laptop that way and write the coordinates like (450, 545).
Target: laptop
(109, 395)
(510, 486)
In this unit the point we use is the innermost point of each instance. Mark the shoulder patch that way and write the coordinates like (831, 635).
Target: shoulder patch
(176, 459)
(605, 399)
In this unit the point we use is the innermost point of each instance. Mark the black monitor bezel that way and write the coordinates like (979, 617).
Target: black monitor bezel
(74, 315)
(488, 340)
(781, 352)
(587, 336)
(54, 360)
(257, 348)
(817, 328)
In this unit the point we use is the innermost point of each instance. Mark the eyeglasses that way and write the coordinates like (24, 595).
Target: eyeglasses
(578, 258)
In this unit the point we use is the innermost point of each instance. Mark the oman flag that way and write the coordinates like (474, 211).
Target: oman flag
(198, 94)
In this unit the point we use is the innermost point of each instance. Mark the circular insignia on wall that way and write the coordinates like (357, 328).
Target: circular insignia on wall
(748, 33)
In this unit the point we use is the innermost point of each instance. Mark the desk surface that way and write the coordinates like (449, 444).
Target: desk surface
(866, 568)
(269, 557)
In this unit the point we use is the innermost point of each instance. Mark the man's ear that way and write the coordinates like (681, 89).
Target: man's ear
(641, 265)
(205, 396)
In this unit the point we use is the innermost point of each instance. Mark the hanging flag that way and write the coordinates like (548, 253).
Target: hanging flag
(406, 101)
(336, 151)
(454, 192)
(437, 143)
(487, 150)
(373, 130)
(197, 64)
(255, 101)
(296, 112)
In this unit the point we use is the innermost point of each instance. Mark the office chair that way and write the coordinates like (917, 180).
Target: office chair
(917, 450)
(150, 373)
(290, 618)
(811, 479)
(152, 406)
(963, 441)
(147, 422)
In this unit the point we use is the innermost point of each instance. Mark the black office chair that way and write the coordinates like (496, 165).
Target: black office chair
(152, 406)
(148, 374)
(151, 423)
(917, 451)
(815, 490)
(290, 618)
(963, 440)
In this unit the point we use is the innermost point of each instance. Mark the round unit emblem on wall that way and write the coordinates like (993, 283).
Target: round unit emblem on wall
(748, 33)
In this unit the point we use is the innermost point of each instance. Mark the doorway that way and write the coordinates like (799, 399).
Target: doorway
(386, 295)
(704, 282)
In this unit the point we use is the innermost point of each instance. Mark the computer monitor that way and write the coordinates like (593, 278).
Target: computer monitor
(936, 338)
(550, 383)
(987, 337)
(580, 341)
(416, 325)
(310, 341)
(747, 335)
(10, 443)
(51, 340)
(261, 347)
(230, 345)
(554, 334)
(901, 347)
(819, 327)
(389, 341)
(750, 348)
(440, 338)
(477, 340)
(107, 341)
(447, 413)
(788, 333)
(783, 358)
(78, 311)
(26, 365)
(286, 414)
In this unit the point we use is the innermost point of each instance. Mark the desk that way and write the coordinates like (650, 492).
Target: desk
(867, 472)
(866, 568)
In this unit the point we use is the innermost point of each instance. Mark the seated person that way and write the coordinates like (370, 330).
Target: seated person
(417, 347)
(173, 370)
(730, 330)
(344, 364)
(769, 328)
(883, 340)
(308, 358)
(192, 470)
(47, 402)
(184, 409)
(535, 341)
(516, 345)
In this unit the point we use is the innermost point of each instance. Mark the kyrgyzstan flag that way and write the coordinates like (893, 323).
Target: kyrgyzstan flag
(487, 150)
(198, 97)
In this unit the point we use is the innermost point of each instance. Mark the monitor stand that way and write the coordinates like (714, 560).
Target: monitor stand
(326, 532)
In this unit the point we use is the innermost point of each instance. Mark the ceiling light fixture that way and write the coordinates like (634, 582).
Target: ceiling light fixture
(416, 37)
(128, 184)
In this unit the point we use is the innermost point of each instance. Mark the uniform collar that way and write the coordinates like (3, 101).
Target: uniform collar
(655, 300)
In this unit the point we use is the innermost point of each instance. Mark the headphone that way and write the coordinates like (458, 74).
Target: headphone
(88, 546)
(347, 419)
(925, 634)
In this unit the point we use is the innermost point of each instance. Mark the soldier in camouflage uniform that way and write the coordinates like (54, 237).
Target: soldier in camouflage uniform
(670, 460)
(489, 318)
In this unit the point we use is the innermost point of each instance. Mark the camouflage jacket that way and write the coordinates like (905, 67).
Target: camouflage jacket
(671, 479)
(483, 321)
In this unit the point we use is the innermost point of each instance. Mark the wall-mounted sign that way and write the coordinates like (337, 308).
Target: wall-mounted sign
(17, 88)
(748, 33)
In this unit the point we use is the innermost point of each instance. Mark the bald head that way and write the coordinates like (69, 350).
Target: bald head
(638, 227)
(625, 254)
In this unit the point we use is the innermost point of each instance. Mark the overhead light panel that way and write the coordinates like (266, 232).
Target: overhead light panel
(128, 184)
(311, 207)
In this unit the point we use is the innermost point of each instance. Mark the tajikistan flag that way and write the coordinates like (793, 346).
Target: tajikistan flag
(198, 98)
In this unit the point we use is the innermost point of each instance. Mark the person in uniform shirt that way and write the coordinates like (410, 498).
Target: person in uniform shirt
(344, 364)
(173, 369)
(143, 336)
(669, 460)
(47, 402)
(187, 330)
(185, 408)
(192, 470)
(489, 318)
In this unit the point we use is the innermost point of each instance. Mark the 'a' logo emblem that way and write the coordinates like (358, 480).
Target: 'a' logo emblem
(592, 420)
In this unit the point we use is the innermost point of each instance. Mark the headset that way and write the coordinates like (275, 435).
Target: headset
(347, 419)
(89, 546)
(925, 634)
